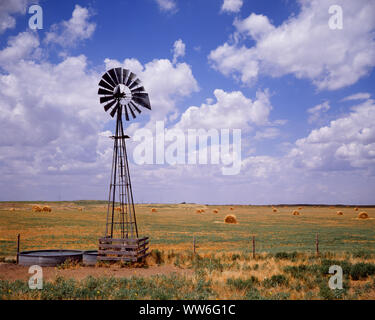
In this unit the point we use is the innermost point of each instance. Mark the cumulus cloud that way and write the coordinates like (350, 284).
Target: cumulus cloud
(22, 46)
(178, 50)
(167, 5)
(268, 133)
(76, 29)
(231, 110)
(10, 8)
(357, 96)
(347, 143)
(317, 111)
(303, 45)
(231, 6)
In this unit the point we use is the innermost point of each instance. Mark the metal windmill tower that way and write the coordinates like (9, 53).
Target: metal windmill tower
(122, 93)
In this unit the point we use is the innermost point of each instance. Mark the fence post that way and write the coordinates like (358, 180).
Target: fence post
(194, 244)
(253, 247)
(317, 244)
(18, 247)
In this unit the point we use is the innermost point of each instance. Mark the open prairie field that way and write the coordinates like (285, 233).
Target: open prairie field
(285, 266)
(78, 225)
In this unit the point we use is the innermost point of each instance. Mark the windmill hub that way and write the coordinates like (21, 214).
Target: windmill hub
(122, 93)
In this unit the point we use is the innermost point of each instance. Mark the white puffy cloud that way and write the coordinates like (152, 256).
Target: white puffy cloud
(9, 8)
(22, 46)
(165, 83)
(267, 133)
(77, 28)
(317, 111)
(347, 143)
(167, 5)
(178, 50)
(304, 45)
(357, 96)
(231, 110)
(231, 5)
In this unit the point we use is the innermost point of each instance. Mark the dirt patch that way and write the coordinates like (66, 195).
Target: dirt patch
(12, 272)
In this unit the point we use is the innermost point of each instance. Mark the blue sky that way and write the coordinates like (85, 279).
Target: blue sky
(300, 91)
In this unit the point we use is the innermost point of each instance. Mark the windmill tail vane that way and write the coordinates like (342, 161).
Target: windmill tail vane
(122, 93)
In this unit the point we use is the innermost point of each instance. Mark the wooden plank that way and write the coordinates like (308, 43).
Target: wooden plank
(122, 246)
(130, 259)
(106, 240)
(121, 253)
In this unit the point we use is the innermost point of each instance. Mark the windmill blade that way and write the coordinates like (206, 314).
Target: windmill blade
(114, 110)
(126, 113)
(134, 106)
(131, 111)
(107, 78)
(106, 98)
(135, 83)
(118, 74)
(140, 95)
(140, 89)
(109, 105)
(103, 91)
(113, 76)
(125, 74)
(104, 84)
(144, 102)
(132, 76)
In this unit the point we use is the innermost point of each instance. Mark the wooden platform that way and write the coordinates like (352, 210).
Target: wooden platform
(131, 250)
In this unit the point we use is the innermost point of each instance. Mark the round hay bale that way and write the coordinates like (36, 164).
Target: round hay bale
(118, 209)
(300, 208)
(339, 213)
(356, 209)
(231, 208)
(198, 211)
(231, 218)
(12, 209)
(215, 211)
(153, 210)
(36, 209)
(80, 209)
(46, 209)
(363, 215)
(295, 213)
(202, 210)
(275, 210)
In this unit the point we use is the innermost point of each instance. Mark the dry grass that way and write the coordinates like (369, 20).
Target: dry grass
(231, 218)
(363, 215)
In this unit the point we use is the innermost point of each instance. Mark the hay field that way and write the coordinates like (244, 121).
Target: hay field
(78, 225)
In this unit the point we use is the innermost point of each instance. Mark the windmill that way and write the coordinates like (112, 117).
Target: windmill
(121, 92)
